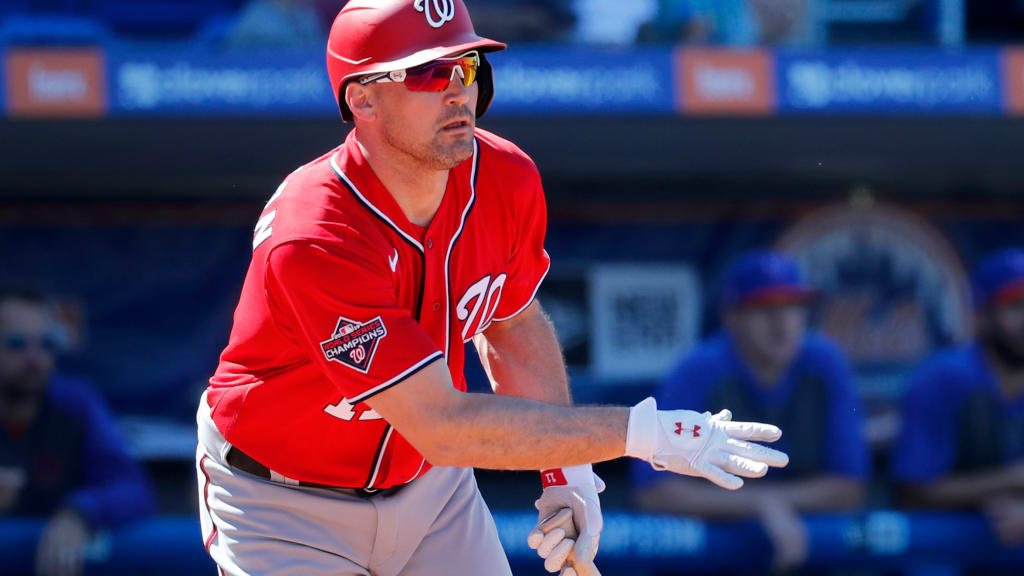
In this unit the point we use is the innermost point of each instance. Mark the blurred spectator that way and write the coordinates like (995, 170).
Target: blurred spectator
(60, 453)
(729, 22)
(611, 22)
(278, 23)
(523, 20)
(766, 367)
(327, 11)
(962, 442)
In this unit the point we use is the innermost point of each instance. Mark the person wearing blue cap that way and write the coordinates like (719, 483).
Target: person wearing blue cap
(766, 364)
(962, 440)
(62, 457)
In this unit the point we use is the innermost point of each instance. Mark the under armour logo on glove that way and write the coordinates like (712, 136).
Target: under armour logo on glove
(695, 430)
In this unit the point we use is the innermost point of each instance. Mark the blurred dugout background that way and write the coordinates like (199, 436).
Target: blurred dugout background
(877, 141)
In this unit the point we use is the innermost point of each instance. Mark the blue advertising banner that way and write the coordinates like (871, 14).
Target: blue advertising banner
(631, 543)
(168, 82)
(889, 82)
(566, 80)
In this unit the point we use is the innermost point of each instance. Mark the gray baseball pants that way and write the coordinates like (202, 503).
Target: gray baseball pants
(438, 525)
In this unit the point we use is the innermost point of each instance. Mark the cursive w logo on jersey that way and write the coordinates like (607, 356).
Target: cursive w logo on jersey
(437, 12)
(479, 301)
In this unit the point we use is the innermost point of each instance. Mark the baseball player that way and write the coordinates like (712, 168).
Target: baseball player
(336, 436)
(977, 461)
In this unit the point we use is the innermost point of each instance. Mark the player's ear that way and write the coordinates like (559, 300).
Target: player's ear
(360, 100)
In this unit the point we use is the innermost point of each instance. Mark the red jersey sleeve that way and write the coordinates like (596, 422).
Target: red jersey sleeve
(339, 304)
(529, 262)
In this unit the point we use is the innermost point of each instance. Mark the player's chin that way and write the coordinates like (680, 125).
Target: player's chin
(455, 152)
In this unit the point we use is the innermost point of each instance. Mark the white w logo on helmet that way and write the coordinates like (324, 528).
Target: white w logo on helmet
(437, 11)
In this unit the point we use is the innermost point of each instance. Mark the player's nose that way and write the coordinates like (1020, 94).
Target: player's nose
(457, 92)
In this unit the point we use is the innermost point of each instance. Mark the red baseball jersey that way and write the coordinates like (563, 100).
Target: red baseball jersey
(345, 298)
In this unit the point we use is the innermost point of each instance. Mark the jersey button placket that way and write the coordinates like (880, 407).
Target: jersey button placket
(430, 244)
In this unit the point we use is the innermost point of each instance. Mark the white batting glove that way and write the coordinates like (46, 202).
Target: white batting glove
(694, 444)
(569, 521)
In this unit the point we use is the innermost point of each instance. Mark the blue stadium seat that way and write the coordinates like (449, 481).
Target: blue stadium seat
(14, 7)
(215, 29)
(24, 29)
(40, 6)
(158, 17)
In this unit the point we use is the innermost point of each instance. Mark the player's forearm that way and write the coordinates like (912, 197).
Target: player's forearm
(698, 498)
(694, 497)
(452, 428)
(822, 493)
(116, 502)
(504, 433)
(959, 491)
(522, 358)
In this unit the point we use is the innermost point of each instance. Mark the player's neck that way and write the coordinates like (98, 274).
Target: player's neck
(767, 375)
(1007, 365)
(766, 372)
(417, 190)
(17, 419)
(1011, 382)
(1009, 375)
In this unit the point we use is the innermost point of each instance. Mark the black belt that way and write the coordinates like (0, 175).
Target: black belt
(242, 461)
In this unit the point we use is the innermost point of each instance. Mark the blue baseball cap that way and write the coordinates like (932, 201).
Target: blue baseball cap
(999, 278)
(764, 277)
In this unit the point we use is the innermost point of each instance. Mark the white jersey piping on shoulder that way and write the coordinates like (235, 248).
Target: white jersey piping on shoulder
(376, 211)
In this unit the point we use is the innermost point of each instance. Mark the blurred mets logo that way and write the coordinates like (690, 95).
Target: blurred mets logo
(892, 288)
(438, 12)
(354, 344)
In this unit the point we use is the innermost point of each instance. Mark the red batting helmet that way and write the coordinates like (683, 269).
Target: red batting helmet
(371, 36)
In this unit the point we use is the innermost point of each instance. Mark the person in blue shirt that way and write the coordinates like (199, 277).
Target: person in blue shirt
(766, 365)
(962, 440)
(61, 456)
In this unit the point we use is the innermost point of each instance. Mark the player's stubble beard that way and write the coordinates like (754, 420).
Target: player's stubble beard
(21, 392)
(1008, 349)
(435, 154)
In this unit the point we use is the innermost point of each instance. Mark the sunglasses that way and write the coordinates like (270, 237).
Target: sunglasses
(434, 76)
(18, 342)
